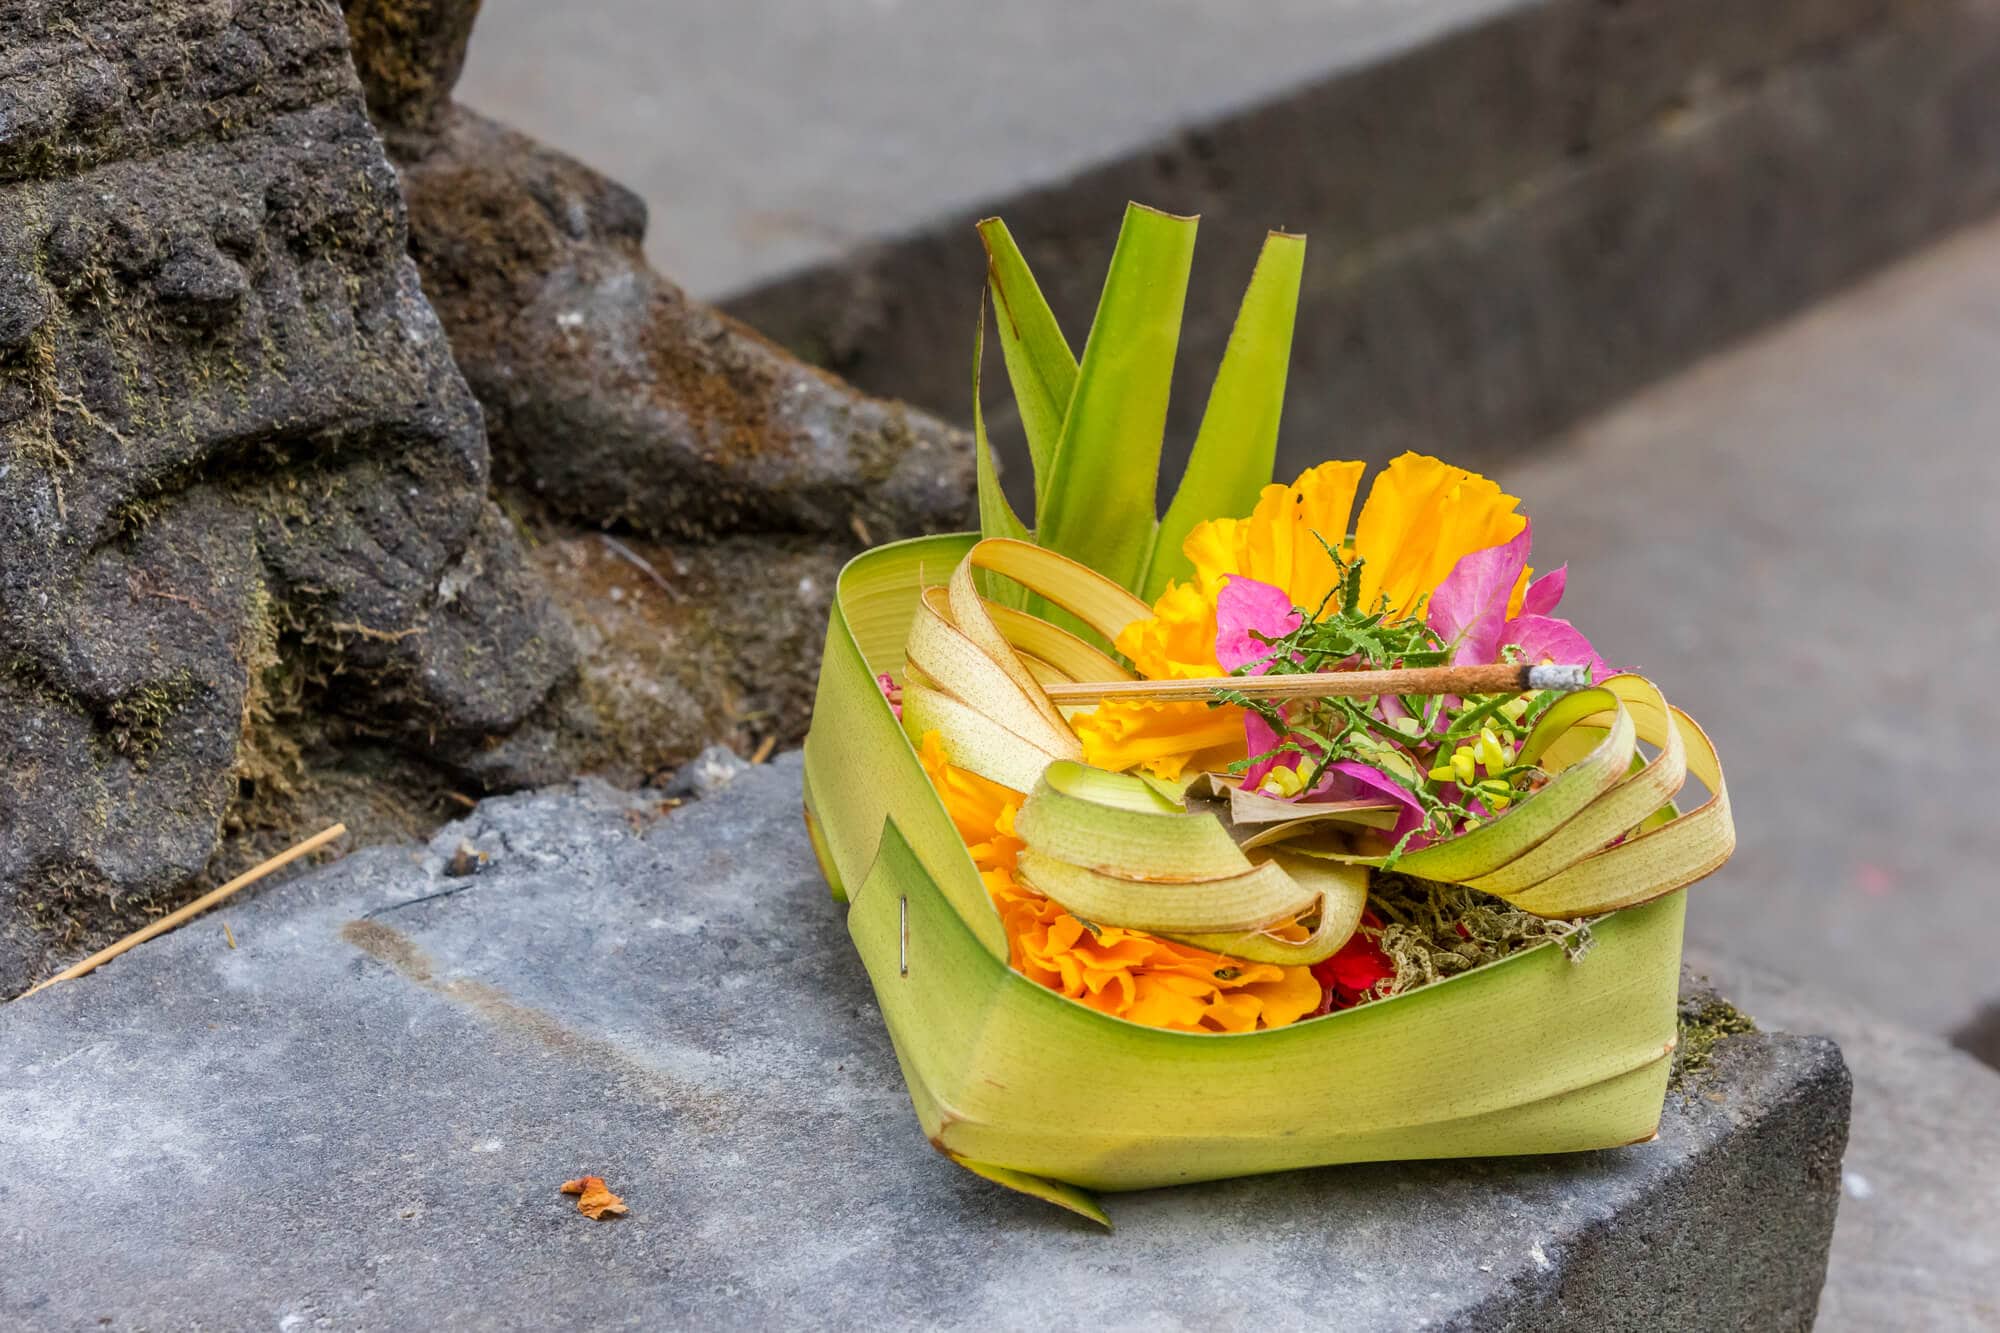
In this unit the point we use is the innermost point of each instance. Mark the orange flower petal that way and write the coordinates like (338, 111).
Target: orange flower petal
(594, 1200)
(1126, 973)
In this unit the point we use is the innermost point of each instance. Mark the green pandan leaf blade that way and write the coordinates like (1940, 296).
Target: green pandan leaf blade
(1237, 445)
(1040, 365)
(996, 517)
(1097, 499)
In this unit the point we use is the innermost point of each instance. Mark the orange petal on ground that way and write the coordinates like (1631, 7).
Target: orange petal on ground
(594, 1200)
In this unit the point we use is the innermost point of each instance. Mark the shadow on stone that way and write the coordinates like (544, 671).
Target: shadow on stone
(1980, 1038)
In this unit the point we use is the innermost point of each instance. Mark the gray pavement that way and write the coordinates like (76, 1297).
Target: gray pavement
(1798, 539)
(1918, 1241)
(771, 134)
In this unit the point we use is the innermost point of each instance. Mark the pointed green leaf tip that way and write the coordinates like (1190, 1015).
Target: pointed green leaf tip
(1098, 504)
(1095, 430)
(1040, 365)
(1060, 1193)
(996, 517)
(1237, 446)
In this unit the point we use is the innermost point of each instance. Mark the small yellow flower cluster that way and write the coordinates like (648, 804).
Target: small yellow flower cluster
(1488, 752)
(1284, 781)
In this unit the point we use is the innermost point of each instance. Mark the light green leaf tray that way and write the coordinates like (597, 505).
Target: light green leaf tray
(1535, 1053)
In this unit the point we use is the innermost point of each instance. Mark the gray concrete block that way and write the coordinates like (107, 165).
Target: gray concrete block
(1918, 1240)
(771, 135)
(360, 1115)
(1513, 223)
(1811, 505)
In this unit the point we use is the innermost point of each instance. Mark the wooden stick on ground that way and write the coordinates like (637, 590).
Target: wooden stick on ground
(193, 909)
(1499, 678)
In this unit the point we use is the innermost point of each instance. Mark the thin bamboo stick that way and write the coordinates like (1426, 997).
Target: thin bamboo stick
(193, 909)
(1498, 678)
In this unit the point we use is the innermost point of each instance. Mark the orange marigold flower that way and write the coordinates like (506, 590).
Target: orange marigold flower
(1126, 973)
(981, 810)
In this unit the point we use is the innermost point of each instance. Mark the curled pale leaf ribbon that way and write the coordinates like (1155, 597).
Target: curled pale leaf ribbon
(1600, 835)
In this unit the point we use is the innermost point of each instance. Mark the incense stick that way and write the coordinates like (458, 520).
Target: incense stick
(193, 909)
(1498, 678)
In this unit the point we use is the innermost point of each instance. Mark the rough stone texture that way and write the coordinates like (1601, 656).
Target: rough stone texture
(409, 54)
(690, 644)
(1511, 224)
(359, 1117)
(1917, 1245)
(737, 478)
(616, 399)
(611, 396)
(241, 481)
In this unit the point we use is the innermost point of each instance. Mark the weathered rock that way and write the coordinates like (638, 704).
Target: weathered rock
(690, 644)
(409, 53)
(362, 1115)
(614, 398)
(609, 394)
(241, 480)
(739, 477)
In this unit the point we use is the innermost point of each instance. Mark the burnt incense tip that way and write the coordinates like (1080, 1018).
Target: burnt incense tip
(1559, 678)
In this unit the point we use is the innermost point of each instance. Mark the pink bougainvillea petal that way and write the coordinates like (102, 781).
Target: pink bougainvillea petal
(1545, 593)
(1261, 737)
(1470, 606)
(1245, 605)
(1352, 780)
(1548, 639)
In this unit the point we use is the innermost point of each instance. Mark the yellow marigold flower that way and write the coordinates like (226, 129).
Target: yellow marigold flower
(1121, 972)
(1166, 739)
(1179, 640)
(1279, 542)
(1421, 516)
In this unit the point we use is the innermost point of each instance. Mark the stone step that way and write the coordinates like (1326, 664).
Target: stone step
(354, 1110)
(1789, 538)
(1519, 211)
(1917, 1244)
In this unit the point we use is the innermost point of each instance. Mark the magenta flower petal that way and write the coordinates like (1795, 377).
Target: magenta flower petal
(1245, 605)
(1352, 780)
(1548, 639)
(1470, 606)
(1260, 737)
(1545, 593)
